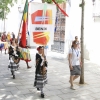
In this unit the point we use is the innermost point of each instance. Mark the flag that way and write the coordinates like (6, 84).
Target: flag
(24, 25)
(60, 8)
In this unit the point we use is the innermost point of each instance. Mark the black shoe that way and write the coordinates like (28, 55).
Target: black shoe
(38, 89)
(42, 95)
(11, 72)
(13, 76)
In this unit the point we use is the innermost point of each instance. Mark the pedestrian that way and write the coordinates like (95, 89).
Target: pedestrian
(4, 41)
(14, 54)
(1, 46)
(76, 39)
(41, 70)
(8, 37)
(4, 37)
(74, 63)
(25, 53)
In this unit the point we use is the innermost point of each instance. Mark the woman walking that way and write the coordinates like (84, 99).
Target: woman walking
(74, 63)
(14, 54)
(41, 71)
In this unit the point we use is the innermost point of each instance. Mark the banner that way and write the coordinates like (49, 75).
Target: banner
(41, 23)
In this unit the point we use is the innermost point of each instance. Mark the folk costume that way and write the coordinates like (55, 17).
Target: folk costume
(24, 52)
(4, 42)
(8, 38)
(40, 75)
(1, 46)
(14, 54)
(3, 38)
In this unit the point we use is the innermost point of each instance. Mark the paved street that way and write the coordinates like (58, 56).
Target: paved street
(57, 88)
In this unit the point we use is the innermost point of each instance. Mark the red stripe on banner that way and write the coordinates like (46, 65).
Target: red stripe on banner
(60, 8)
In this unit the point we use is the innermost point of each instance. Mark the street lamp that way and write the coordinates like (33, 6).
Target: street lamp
(93, 9)
(93, 2)
(20, 9)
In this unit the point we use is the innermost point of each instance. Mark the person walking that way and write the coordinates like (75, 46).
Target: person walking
(13, 35)
(41, 71)
(4, 37)
(14, 54)
(74, 63)
(25, 52)
(76, 39)
(8, 38)
(4, 41)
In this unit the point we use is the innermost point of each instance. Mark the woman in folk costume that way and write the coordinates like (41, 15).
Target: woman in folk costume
(14, 54)
(1, 46)
(25, 53)
(41, 70)
(8, 37)
(4, 40)
(3, 37)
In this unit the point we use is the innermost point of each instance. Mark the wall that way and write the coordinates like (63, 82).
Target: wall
(91, 30)
(73, 23)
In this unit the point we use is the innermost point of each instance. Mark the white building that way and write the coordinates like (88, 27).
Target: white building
(73, 27)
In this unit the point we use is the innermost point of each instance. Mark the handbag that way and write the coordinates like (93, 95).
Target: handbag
(43, 70)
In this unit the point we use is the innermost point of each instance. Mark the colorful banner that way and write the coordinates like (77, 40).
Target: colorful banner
(41, 23)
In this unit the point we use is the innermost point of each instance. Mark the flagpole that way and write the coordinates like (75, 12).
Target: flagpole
(21, 21)
(22, 17)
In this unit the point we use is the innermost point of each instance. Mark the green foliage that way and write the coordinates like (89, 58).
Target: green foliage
(58, 1)
(5, 7)
(80, 5)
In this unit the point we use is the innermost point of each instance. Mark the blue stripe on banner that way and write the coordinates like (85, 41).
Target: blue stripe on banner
(55, 24)
(55, 29)
(31, 0)
(28, 33)
(38, 18)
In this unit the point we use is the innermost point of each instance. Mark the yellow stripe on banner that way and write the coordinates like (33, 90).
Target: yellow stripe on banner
(25, 17)
(44, 34)
(49, 12)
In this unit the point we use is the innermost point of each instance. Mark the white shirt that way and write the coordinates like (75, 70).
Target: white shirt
(75, 60)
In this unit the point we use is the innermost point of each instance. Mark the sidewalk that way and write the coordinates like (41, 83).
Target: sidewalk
(57, 88)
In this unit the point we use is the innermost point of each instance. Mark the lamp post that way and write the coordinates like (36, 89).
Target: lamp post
(4, 19)
(20, 9)
(93, 1)
(21, 12)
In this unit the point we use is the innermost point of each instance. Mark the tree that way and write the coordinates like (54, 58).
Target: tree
(50, 1)
(82, 42)
(5, 8)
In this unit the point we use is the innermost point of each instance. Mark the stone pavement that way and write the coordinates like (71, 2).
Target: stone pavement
(57, 88)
